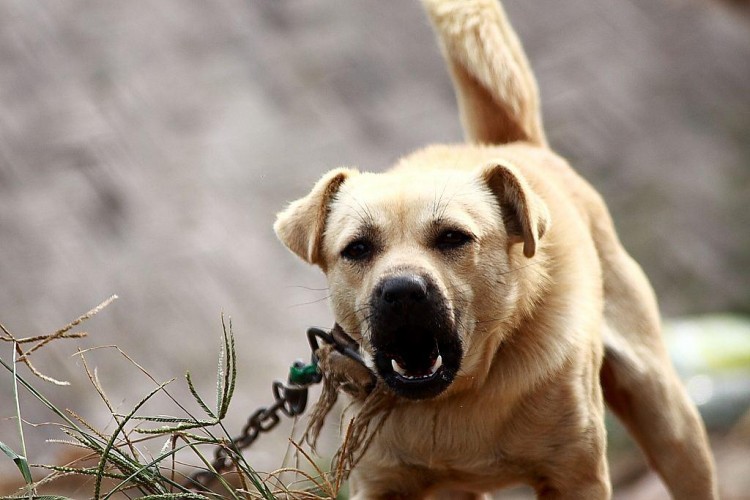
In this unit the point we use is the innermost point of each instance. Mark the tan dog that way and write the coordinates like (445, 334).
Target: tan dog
(487, 287)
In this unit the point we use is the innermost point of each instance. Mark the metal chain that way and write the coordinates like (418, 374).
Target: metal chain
(289, 399)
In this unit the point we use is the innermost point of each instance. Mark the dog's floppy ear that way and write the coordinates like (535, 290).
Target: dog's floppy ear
(300, 227)
(525, 214)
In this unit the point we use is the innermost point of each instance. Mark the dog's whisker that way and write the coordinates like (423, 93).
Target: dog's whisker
(309, 288)
(317, 301)
(519, 268)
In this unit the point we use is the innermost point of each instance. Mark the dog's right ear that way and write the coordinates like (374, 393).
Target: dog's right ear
(300, 227)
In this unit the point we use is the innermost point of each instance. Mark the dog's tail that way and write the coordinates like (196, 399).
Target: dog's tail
(496, 91)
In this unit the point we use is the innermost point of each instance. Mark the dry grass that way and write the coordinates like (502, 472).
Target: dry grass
(117, 464)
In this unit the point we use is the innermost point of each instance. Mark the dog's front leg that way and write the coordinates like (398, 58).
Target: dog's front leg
(590, 481)
(593, 491)
(441, 495)
(572, 465)
(387, 494)
(398, 482)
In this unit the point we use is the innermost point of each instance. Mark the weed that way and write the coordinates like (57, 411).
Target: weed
(118, 462)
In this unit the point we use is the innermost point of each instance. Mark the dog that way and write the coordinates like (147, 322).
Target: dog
(487, 287)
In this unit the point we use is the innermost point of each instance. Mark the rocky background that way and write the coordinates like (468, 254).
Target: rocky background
(146, 146)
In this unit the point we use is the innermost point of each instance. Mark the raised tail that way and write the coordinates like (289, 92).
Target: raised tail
(496, 90)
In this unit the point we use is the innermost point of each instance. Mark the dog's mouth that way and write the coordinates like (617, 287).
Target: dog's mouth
(402, 370)
(417, 350)
(418, 366)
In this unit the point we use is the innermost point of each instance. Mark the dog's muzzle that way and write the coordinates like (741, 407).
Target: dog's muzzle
(417, 349)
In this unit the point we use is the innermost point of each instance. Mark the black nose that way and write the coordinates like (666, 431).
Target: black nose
(402, 290)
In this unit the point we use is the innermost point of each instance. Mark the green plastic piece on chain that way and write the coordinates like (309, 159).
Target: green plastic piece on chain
(302, 375)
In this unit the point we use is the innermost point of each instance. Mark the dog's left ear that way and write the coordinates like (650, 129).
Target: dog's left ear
(300, 227)
(525, 214)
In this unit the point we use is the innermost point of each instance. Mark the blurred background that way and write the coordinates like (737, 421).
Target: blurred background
(146, 146)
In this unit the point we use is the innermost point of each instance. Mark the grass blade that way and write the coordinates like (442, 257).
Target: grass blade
(198, 399)
(21, 462)
(111, 443)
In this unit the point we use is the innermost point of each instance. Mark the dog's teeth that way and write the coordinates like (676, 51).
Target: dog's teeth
(405, 374)
(398, 368)
(437, 364)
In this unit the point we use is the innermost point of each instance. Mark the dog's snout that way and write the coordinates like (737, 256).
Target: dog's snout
(417, 350)
(402, 290)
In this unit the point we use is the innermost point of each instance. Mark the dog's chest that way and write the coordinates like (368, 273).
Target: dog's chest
(458, 439)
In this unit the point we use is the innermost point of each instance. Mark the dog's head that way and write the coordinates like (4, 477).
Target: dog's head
(420, 263)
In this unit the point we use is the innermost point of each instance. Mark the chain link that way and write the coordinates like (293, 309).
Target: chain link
(289, 399)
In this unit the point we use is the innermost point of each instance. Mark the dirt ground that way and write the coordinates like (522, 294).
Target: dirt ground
(146, 146)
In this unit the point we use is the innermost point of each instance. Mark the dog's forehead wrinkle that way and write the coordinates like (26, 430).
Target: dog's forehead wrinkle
(442, 201)
(439, 200)
(357, 207)
(399, 208)
(406, 184)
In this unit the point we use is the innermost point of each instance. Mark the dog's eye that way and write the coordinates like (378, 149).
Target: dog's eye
(357, 250)
(452, 238)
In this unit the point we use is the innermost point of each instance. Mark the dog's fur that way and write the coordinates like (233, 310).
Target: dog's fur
(517, 258)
